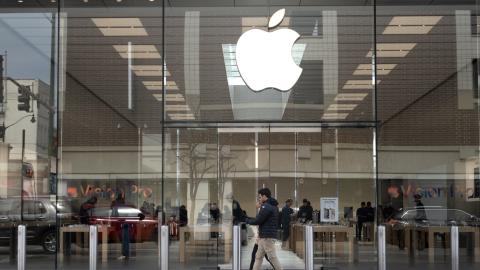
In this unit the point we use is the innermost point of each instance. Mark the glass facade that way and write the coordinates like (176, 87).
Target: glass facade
(133, 114)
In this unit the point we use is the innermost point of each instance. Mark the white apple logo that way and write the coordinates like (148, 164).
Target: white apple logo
(264, 59)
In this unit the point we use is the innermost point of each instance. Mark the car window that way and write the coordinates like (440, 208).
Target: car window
(64, 207)
(101, 212)
(5, 207)
(128, 212)
(33, 207)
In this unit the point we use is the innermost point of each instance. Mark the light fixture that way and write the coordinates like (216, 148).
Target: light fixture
(177, 107)
(366, 69)
(351, 96)
(342, 107)
(138, 51)
(120, 26)
(149, 70)
(393, 49)
(359, 84)
(157, 85)
(332, 116)
(170, 97)
(414, 25)
(20, 1)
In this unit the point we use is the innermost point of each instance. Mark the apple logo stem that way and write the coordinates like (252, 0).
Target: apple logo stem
(264, 59)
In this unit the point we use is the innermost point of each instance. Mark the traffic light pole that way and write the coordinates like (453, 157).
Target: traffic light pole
(21, 174)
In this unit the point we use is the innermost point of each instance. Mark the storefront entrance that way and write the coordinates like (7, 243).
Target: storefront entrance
(209, 169)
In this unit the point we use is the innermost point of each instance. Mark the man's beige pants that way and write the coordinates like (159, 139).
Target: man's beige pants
(266, 246)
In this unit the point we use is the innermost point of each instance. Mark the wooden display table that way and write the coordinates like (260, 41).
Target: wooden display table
(195, 230)
(82, 231)
(298, 230)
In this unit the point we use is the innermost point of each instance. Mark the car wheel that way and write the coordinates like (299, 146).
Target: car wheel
(49, 242)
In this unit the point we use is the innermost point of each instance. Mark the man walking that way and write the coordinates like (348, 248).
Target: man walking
(267, 221)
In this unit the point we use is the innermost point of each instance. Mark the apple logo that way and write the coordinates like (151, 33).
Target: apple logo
(264, 59)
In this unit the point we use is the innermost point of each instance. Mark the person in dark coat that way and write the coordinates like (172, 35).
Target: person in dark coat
(305, 213)
(361, 218)
(86, 209)
(267, 221)
(183, 216)
(287, 212)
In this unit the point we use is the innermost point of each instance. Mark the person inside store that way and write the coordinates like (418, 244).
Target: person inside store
(305, 213)
(361, 218)
(86, 209)
(286, 217)
(267, 222)
(420, 219)
(370, 211)
(392, 210)
(183, 216)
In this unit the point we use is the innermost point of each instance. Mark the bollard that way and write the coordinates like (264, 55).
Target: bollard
(236, 263)
(382, 262)
(93, 241)
(454, 248)
(21, 241)
(308, 248)
(164, 247)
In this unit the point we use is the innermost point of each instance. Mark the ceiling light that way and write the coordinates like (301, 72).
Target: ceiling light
(366, 69)
(351, 97)
(359, 84)
(120, 26)
(393, 49)
(170, 97)
(20, 1)
(148, 70)
(138, 51)
(180, 116)
(411, 25)
(342, 107)
(177, 107)
(332, 116)
(157, 85)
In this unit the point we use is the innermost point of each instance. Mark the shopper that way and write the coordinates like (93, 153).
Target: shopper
(183, 216)
(86, 209)
(287, 212)
(361, 218)
(420, 218)
(267, 221)
(305, 213)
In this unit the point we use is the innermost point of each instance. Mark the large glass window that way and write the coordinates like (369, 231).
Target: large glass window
(132, 114)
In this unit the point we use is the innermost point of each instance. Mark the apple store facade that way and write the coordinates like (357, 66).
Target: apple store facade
(136, 134)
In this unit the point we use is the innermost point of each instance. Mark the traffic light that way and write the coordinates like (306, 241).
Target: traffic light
(24, 98)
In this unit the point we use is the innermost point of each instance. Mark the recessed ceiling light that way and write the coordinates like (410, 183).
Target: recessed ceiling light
(120, 26)
(331, 116)
(393, 49)
(366, 69)
(351, 96)
(177, 107)
(138, 51)
(20, 1)
(342, 107)
(148, 70)
(359, 84)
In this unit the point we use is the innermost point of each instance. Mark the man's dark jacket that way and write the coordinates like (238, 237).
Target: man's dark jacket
(266, 219)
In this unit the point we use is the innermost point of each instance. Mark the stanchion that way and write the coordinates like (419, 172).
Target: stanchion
(164, 247)
(21, 241)
(454, 247)
(236, 262)
(93, 241)
(308, 248)
(382, 262)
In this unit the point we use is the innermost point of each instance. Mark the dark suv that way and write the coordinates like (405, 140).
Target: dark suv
(39, 216)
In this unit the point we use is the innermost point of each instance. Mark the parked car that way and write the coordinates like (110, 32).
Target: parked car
(141, 227)
(39, 216)
(436, 216)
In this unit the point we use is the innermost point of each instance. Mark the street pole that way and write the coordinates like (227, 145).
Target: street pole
(21, 174)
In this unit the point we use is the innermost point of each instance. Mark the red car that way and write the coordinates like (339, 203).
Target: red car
(142, 228)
